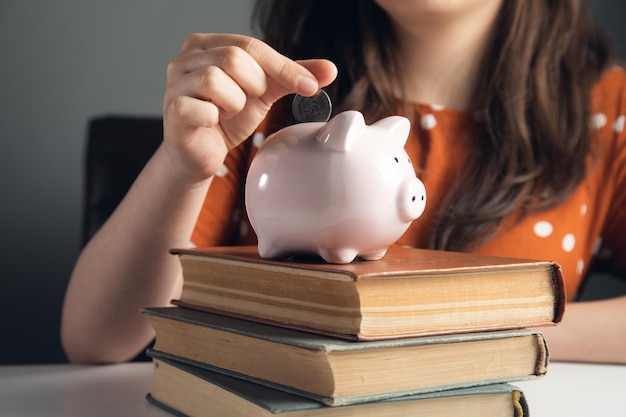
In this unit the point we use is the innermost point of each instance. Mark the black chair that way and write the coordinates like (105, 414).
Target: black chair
(598, 286)
(118, 147)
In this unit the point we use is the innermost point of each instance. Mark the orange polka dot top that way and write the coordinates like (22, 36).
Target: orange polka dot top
(590, 226)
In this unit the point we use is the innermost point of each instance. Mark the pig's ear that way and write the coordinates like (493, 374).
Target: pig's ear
(397, 128)
(341, 131)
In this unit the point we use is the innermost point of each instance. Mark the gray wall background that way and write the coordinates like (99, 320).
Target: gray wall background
(62, 63)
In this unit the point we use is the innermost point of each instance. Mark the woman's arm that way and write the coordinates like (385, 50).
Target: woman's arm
(591, 331)
(219, 89)
(126, 266)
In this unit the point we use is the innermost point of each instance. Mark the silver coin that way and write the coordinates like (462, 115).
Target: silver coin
(316, 108)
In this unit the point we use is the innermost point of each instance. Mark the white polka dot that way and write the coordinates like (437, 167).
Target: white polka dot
(618, 126)
(428, 121)
(244, 228)
(479, 116)
(437, 107)
(568, 242)
(605, 253)
(257, 139)
(598, 120)
(583, 209)
(543, 229)
(222, 171)
(597, 246)
(580, 266)
(236, 215)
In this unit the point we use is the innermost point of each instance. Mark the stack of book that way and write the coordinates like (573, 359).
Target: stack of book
(419, 332)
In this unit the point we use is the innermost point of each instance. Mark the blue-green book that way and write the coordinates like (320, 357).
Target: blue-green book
(338, 372)
(186, 390)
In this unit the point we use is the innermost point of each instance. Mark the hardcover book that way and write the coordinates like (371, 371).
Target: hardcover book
(410, 292)
(185, 390)
(339, 372)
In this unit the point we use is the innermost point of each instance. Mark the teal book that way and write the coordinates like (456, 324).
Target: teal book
(340, 372)
(186, 390)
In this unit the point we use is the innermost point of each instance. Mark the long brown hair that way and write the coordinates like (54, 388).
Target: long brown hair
(533, 101)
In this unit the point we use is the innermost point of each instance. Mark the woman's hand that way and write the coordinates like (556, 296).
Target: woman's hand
(219, 88)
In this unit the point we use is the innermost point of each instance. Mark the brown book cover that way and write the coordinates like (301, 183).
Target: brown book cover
(410, 292)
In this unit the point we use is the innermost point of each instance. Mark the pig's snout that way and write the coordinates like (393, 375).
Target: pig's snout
(411, 199)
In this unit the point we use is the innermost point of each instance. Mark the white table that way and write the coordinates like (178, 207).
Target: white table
(569, 389)
(73, 390)
(577, 389)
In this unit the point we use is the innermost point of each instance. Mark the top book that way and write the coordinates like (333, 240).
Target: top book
(410, 292)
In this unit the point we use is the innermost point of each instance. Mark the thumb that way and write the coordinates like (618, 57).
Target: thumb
(322, 69)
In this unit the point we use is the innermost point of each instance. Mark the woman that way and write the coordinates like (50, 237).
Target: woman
(500, 94)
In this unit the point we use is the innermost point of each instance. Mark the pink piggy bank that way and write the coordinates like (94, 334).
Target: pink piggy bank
(340, 189)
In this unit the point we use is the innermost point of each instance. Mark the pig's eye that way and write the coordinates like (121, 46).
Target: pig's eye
(396, 159)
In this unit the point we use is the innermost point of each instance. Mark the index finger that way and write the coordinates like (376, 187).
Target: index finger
(287, 73)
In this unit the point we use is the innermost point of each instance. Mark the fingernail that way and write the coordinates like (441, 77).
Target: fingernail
(306, 85)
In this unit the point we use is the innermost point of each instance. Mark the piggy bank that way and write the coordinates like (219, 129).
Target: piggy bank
(340, 189)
